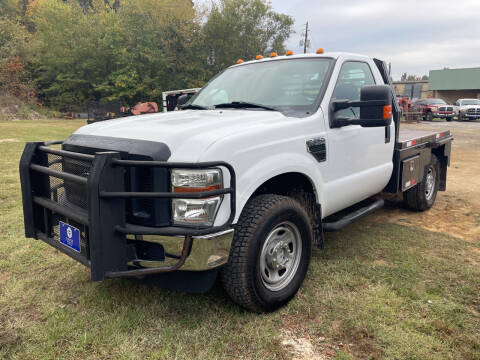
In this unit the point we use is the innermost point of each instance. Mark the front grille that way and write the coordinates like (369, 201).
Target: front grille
(473, 111)
(147, 212)
(68, 194)
(65, 192)
(445, 108)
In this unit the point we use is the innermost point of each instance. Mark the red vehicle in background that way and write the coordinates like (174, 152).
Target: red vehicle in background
(405, 104)
(434, 108)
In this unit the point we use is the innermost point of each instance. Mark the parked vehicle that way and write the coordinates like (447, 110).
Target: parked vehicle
(468, 109)
(405, 104)
(434, 108)
(241, 183)
(107, 110)
(170, 98)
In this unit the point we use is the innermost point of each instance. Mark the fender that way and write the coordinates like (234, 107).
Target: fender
(252, 178)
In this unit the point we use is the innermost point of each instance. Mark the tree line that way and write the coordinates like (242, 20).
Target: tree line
(64, 53)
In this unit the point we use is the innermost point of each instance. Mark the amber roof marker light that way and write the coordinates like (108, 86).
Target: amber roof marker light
(289, 52)
(319, 51)
(239, 61)
(273, 54)
(258, 57)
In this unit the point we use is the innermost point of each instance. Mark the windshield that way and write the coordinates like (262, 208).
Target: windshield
(471, 102)
(435, 101)
(291, 85)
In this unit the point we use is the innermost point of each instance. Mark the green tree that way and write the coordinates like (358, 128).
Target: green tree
(14, 39)
(129, 53)
(242, 29)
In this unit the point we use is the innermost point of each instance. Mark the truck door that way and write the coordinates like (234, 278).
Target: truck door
(359, 159)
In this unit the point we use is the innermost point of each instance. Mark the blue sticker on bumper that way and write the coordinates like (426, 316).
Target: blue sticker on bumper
(69, 236)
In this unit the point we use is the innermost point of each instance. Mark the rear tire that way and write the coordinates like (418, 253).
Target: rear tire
(449, 119)
(270, 253)
(429, 116)
(460, 117)
(422, 196)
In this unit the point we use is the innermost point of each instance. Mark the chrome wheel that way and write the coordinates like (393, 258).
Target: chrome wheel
(280, 256)
(430, 183)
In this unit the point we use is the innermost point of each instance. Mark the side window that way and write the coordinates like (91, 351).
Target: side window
(353, 75)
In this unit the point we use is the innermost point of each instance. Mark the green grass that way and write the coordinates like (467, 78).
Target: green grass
(375, 291)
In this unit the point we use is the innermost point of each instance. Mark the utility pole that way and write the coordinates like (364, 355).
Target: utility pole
(305, 42)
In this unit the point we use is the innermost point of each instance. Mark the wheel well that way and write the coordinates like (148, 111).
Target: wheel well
(301, 188)
(439, 152)
(286, 184)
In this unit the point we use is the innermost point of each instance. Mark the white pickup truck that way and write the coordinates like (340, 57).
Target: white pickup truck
(239, 184)
(468, 109)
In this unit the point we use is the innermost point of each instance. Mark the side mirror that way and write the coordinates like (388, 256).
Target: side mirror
(375, 108)
(182, 100)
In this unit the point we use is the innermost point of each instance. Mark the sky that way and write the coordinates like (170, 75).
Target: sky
(414, 36)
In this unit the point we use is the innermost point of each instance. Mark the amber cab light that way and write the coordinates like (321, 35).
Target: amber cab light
(239, 61)
(258, 57)
(319, 51)
(289, 52)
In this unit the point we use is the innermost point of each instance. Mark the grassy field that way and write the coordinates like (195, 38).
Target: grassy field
(386, 287)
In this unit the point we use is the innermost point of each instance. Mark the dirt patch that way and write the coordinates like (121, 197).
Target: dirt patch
(380, 262)
(300, 348)
(3, 278)
(8, 140)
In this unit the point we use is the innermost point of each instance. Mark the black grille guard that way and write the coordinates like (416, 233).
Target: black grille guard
(105, 220)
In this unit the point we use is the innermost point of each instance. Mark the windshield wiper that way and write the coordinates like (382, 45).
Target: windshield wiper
(193, 107)
(244, 105)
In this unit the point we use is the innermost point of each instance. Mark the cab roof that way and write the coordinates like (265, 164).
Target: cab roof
(330, 55)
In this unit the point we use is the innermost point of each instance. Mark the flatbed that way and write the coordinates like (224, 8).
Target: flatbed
(408, 138)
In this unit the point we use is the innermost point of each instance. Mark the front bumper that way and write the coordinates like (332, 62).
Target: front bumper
(207, 251)
(443, 114)
(109, 245)
(472, 116)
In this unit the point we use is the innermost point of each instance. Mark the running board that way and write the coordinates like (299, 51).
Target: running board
(349, 218)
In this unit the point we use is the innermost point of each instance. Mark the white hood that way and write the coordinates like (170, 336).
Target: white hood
(466, 107)
(198, 128)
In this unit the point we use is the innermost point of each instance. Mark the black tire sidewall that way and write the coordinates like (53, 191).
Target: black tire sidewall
(429, 116)
(272, 300)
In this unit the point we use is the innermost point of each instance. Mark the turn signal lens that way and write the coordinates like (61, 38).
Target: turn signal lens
(319, 51)
(273, 54)
(289, 52)
(387, 111)
(189, 180)
(258, 57)
(239, 61)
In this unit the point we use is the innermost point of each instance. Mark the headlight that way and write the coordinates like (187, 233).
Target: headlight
(196, 211)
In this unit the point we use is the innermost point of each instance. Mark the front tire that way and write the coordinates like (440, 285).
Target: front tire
(422, 197)
(270, 253)
(449, 119)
